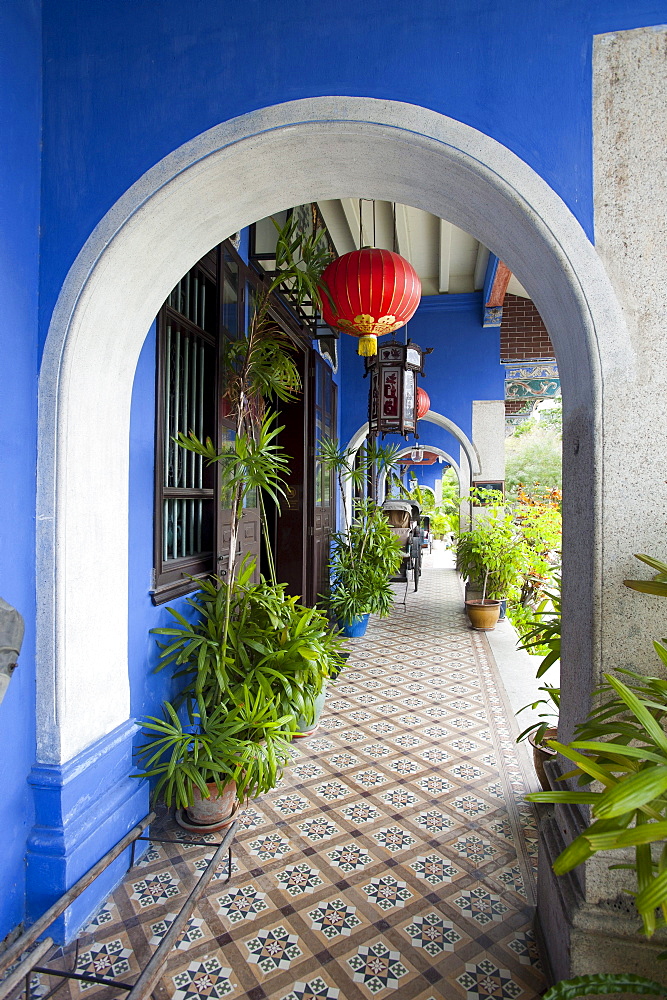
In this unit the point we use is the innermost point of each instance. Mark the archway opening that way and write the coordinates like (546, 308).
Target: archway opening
(228, 177)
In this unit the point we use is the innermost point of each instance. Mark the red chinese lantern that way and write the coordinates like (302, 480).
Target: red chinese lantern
(370, 292)
(423, 403)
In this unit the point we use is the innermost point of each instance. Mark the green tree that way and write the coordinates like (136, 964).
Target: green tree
(534, 457)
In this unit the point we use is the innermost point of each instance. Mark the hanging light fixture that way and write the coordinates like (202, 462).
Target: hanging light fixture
(417, 454)
(369, 293)
(392, 398)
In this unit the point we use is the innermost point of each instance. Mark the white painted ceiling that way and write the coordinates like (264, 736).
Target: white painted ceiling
(447, 259)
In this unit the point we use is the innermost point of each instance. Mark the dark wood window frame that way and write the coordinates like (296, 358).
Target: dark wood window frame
(174, 577)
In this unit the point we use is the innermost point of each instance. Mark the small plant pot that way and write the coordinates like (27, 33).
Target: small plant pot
(541, 754)
(213, 813)
(303, 729)
(355, 628)
(483, 615)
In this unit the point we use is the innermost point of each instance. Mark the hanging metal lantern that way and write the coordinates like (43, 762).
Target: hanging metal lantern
(368, 293)
(392, 398)
(423, 403)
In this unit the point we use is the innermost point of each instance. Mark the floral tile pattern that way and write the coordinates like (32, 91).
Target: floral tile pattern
(242, 903)
(273, 949)
(206, 978)
(334, 919)
(395, 859)
(377, 967)
(386, 892)
(433, 934)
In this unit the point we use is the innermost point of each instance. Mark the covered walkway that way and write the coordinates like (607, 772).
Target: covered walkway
(396, 858)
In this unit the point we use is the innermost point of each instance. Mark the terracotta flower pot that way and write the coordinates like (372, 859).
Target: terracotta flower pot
(541, 754)
(214, 812)
(483, 615)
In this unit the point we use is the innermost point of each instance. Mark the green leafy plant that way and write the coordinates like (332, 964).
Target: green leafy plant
(253, 660)
(547, 719)
(623, 746)
(546, 632)
(656, 585)
(603, 984)
(366, 553)
(363, 560)
(545, 635)
(492, 553)
(268, 643)
(247, 743)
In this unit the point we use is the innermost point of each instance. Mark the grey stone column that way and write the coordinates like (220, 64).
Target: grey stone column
(587, 923)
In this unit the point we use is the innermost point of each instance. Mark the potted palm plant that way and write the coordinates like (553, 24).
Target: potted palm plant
(253, 660)
(493, 555)
(546, 634)
(366, 554)
(207, 768)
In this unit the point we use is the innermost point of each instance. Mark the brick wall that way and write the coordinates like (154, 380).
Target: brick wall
(523, 335)
(513, 406)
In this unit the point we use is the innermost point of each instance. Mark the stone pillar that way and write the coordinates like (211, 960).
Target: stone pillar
(587, 923)
(488, 436)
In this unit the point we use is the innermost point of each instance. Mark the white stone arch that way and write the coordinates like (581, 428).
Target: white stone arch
(463, 486)
(239, 171)
(433, 417)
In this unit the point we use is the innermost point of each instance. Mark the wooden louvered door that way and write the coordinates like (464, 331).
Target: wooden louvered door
(323, 504)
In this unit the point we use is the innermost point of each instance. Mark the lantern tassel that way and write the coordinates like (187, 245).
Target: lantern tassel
(368, 346)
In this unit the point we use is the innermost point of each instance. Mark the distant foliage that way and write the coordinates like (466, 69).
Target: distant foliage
(534, 457)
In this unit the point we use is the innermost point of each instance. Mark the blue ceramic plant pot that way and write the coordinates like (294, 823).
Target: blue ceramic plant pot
(356, 628)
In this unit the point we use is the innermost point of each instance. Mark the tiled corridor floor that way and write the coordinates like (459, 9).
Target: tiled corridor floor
(396, 858)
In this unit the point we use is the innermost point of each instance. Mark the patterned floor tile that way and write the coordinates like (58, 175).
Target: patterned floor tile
(273, 949)
(195, 932)
(109, 959)
(334, 919)
(242, 903)
(393, 838)
(434, 869)
(360, 812)
(350, 858)
(290, 805)
(370, 843)
(399, 798)
(433, 934)
(523, 945)
(203, 978)
(307, 770)
(296, 879)
(387, 892)
(331, 791)
(318, 828)
(481, 905)
(155, 889)
(483, 980)
(270, 846)
(474, 849)
(251, 819)
(434, 821)
(343, 760)
(314, 989)
(377, 967)
(369, 778)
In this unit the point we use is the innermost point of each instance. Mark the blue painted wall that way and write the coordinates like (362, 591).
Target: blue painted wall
(148, 689)
(20, 113)
(464, 366)
(125, 83)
